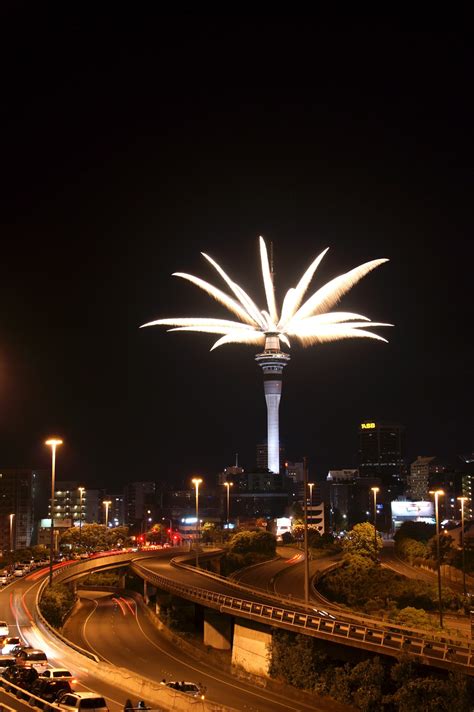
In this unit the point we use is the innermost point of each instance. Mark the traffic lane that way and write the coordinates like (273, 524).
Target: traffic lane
(190, 577)
(120, 632)
(261, 575)
(392, 561)
(21, 603)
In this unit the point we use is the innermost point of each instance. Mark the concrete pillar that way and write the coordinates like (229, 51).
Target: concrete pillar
(217, 629)
(250, 648)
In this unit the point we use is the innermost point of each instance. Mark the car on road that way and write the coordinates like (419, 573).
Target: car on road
(188, 688)
(6, 661)
(58, 674)
(32, 658)
(9, 644)
(81, 701)
(3, 580)
(4, 630)
(49, 690)
(19, 676)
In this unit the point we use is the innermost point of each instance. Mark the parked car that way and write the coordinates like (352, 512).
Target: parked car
(49, 690)
(4, 630)
(19, 676)
(6, 661)
(9, 644)
(32, 658)
(81, 701)
(58, 674)
(189, 688)
(18, 648)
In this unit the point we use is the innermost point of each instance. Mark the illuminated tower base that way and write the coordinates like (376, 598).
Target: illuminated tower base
(272, 361)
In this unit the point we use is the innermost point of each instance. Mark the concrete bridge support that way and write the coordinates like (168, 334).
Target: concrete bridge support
(217, 630)
(250, 648)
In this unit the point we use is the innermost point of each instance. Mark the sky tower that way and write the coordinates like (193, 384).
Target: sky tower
(310, 321)
(272, 362)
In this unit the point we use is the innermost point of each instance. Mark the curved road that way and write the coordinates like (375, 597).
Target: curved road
(118, 630)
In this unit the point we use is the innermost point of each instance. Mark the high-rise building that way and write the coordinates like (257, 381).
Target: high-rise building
(350, 500)
(419, 477)
(67, 502)
(139, 497)
(16, 508)
(381, 454)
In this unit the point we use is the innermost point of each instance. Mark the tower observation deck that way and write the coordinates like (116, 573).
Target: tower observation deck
(272, 362)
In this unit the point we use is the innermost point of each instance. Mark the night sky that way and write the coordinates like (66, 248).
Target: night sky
(130, 144)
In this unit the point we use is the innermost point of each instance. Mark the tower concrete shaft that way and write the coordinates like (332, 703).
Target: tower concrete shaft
(272, 362)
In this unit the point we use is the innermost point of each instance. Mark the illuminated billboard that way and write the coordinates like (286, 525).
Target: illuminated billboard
(412, 512)
(367, 426)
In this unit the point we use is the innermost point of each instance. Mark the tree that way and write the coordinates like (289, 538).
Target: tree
(95, 537)
(414, 618)
(361, 540)
(56, 602)
(253, 542)
(446, 548)
(296, 659)
(419, 531)
(287, 538)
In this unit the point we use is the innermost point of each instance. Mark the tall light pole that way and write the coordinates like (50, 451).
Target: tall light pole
(462, 500)
(228, 485)
(375, 490)
(107, 503)
(306, 549)
(437, 493)
(11, 532)
(311, 485)
(53, 444)
(196, 482)
(81, 493)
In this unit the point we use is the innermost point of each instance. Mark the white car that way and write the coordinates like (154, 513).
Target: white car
(188, 688)
(4, 629)
(82, 701)
(32, 658)
(58, 674)
(18, 572)
(9, 644)
(3, 580)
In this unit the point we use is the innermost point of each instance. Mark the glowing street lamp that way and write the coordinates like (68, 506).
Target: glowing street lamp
(375, 490)
(53, 444)
(228, 485)
(437, 493)
(462, 500)
(311, 485)
(196, 482)
(11, 531)
(81, 494)
(107, 503)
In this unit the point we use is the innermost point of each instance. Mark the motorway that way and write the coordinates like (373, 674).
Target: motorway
(121, 634)
(118, 630)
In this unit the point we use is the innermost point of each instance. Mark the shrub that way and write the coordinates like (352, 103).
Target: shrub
(56, 602)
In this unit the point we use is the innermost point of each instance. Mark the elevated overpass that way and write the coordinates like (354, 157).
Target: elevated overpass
(241, 606)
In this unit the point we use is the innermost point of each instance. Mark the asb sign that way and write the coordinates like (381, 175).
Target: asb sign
(367, 426)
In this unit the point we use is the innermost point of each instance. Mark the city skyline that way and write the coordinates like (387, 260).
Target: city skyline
(108, 184)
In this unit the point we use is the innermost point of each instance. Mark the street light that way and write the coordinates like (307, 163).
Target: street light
(81, 493)
(11, 531)
(437, 493)
(375, 490)
(311, 485)
(228, 485)
(462, 500)
(53, 444)
(196, 482)
(107, 503)
(305, 531)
